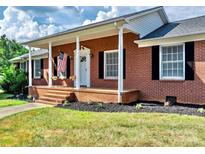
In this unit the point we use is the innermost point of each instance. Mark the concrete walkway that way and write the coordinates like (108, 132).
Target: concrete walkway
(6, 111)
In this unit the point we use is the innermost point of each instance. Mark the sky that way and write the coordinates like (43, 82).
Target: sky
(27, 22)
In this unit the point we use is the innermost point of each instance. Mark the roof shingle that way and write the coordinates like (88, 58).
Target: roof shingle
(179, 28)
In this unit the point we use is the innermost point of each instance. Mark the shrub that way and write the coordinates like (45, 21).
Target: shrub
(13, 81)
(139, 106)
(201, 110)
(66, 102)
(100, 105)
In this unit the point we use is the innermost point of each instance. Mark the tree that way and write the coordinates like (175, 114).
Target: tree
(11, 80)
(8, 50)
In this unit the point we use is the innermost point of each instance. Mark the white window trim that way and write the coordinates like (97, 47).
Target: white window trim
(26, 66)
(160, 64)
(34, 67)
(105, 77)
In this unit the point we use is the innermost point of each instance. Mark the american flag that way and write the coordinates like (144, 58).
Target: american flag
(62, 61)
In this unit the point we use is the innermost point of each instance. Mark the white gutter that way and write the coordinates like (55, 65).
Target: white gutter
(170, 40)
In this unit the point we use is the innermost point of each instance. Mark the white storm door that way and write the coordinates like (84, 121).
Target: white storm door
(83, 70)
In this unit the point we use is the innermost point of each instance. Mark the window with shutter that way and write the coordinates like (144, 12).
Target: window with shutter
(172, 62)
(37, 69)
(111, 64)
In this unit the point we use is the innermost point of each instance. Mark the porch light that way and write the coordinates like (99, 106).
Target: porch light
(71, 57)
(91, 55)
(82, 47)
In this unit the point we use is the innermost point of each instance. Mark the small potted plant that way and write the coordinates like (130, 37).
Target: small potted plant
(30, 98)
(72, 78)
(54, 78)
(139, 106)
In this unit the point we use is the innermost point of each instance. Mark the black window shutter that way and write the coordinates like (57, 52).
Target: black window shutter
(55, 66)
(41, 68)
(18, 65)
(101, 65)
(124, 63)
(189, 61)
(155, 63)
(68, 66)
(32, 62)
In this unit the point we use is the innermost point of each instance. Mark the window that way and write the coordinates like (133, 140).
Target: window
(172, 62)
(111, 64)
(23, 66)
(37, 68)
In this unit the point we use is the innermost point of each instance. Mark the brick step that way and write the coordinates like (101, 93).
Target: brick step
(46, 102)
(59, 92)
(60, 89)
(53, 100)
(54, 95)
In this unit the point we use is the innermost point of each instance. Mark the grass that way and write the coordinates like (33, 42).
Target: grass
(11, 102)
(63, 127)
(5, 101)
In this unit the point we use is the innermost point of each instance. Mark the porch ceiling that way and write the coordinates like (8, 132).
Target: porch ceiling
(87, 34)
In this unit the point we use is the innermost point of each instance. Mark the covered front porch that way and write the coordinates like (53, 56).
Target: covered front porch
(58, 94)
(81, 47)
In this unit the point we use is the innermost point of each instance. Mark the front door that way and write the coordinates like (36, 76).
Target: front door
(83, 71)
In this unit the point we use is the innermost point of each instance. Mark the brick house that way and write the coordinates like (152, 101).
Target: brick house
(139, 56)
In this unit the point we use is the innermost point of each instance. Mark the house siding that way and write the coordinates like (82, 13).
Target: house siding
(146, 24)
(138, 71)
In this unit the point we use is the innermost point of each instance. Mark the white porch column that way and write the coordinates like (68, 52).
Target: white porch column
(30, 68)
(120, 64)
(77, 67)
(50, 65)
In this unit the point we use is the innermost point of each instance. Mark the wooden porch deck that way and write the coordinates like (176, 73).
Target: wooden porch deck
(58, 94)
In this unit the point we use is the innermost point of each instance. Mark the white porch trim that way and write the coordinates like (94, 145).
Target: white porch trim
(30, 68)
(50, 65)
(77, 62)
(120, 64)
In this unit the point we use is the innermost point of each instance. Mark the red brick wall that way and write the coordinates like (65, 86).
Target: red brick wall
(139, 76)
(138, 70)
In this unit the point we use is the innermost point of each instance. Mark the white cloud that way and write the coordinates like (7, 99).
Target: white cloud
(114, 12)
(102, 15)
(27, 23)
(20, 26)
(183, 12)
(50, 20)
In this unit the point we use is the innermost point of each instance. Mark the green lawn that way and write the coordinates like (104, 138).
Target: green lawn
(5, 102)
(63, 127)
(11, 102)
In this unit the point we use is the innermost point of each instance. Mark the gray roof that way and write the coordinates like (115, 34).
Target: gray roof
(179, 28)
(34, 54)
(124, 17)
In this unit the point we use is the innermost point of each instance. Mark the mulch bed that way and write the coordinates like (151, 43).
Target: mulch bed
(146, 107)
